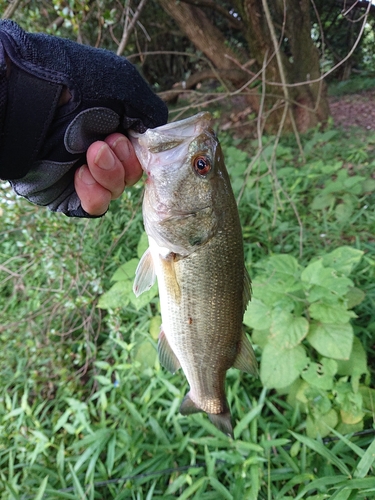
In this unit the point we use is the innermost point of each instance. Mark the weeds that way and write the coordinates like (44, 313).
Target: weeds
(86, 410)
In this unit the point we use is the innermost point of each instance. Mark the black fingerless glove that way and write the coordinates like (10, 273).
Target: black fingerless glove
(41, 144)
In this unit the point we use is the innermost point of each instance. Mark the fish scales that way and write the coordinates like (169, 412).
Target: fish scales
(196, 252)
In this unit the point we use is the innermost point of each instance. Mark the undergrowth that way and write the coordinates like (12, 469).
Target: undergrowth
(86, 411)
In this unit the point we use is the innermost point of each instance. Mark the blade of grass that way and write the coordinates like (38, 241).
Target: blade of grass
(366, 462)
(323, 451)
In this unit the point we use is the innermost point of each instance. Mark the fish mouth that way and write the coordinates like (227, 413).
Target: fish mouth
(172, 134)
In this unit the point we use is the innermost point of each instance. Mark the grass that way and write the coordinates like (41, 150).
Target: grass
(86, 410)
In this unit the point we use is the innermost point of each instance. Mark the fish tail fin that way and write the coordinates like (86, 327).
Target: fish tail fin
(223, 422)
(188, 406)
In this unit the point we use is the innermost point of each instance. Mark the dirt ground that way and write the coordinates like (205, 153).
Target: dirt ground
(354, 110)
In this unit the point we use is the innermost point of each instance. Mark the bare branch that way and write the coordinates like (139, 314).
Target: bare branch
(11, 9)
(129, 27)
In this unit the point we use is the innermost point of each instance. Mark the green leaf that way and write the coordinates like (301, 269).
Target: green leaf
(321, 427)
(343, 259)
(322, 200)
(354, 297)
(366, 462)
(286, 330)
(42, 488)
(280, 368)
(117, 296)
(283, 264)
(330, 313)
(146, 354)
(325, 278)
(126, 272)
(221, 489)
(142, 245)
(257, 315)
(322, 374)
(356, 365)
(331, 340)
(322, 450)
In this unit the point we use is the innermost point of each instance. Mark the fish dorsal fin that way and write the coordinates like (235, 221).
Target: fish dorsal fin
(167, 357)
(246, 289)
(246, 360)
(144, 274)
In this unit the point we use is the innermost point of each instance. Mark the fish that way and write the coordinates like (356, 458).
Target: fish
(196, 254)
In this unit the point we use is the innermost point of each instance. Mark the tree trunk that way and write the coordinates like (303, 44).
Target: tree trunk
(297, 59)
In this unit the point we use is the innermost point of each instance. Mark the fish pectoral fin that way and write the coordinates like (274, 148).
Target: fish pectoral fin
(167, 357)
(188, 406)
(246, 289)
(145, 274)
(246, 360)
(223, 422)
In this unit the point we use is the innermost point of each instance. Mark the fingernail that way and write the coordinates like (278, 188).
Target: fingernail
(105, 159)
(122, 146)
(85, 175)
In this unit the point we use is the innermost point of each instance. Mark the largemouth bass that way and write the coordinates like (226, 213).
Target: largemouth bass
(196, 253)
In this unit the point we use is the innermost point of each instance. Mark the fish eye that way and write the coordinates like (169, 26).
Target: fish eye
(202, 165)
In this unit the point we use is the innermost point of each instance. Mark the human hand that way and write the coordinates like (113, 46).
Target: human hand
(63, 97)
(111, 166)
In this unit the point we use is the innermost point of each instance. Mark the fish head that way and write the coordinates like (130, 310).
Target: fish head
(186, 183)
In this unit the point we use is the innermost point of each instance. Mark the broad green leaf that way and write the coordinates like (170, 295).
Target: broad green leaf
(325, 278)
(146, 354)
(356, 365)
(320, 374)
(343, 259)
(279, 368)
(126, 272)
(322, 200)
(343, 211)
(260, 337)
(331, 340)
(154, 329)
(330, 313)
(117, 296)
(354, 297)
(257, 315)
(286, 330)
(321, 426)
(283, 264)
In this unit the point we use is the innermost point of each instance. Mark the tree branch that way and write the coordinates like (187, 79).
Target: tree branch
(128, 28)
(235, 22)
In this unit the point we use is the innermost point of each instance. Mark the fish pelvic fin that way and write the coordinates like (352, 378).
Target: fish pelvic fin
(145, 274)
(167, 357)
(246, 289)
(188, 406)
(246, 360)
(223, 422)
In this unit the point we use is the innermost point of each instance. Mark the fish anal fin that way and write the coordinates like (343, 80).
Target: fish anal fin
(167, 357)
(188, 406)
(223, 422)
(246, 289)
(246, 360)
(144, 274)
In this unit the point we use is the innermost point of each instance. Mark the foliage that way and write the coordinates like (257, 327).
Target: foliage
(86, 411)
